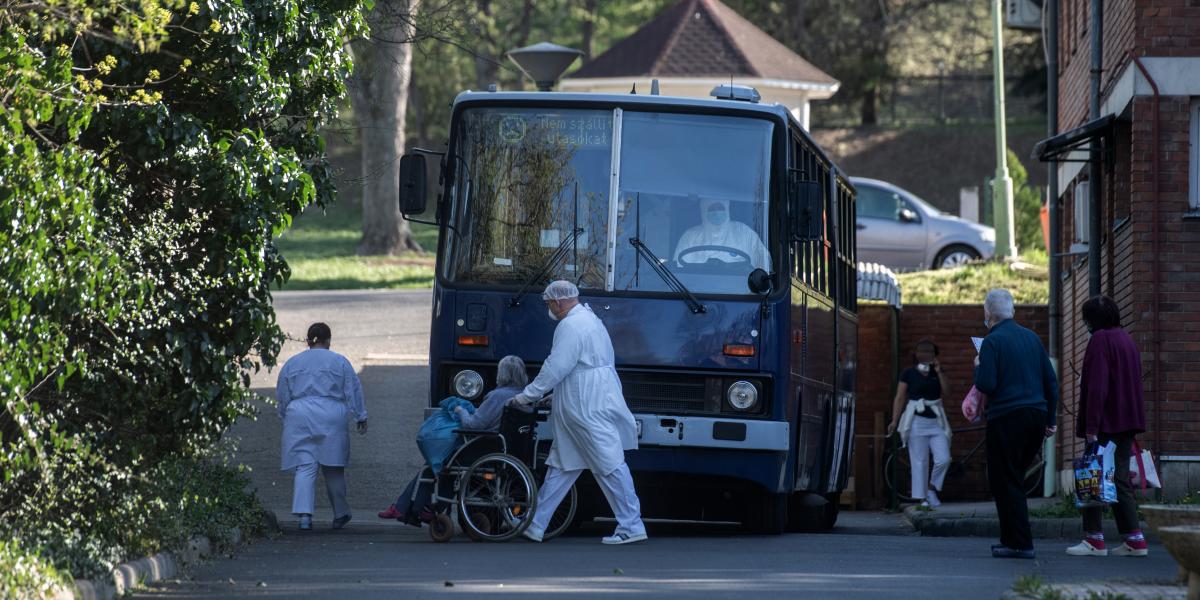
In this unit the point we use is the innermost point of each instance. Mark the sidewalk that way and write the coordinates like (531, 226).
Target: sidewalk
(978, 519)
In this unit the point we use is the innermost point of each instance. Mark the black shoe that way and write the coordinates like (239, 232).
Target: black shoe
(1000, 551)
(341, 521)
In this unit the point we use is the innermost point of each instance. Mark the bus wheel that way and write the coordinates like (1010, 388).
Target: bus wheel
(767, 513)
(808, 513)
(831, 510)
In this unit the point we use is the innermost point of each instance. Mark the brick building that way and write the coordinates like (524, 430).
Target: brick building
(1149, 207)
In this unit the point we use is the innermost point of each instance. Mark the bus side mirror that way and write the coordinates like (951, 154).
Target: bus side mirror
(808, 209)
(414, 190)
(759, 282)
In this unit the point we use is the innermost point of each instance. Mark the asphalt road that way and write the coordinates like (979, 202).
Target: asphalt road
(384, 334)
(869, 556)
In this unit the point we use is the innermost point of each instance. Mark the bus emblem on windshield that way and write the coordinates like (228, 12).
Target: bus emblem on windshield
(512, 129)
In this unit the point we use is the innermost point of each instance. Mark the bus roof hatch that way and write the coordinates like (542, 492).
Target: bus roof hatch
(742, 93)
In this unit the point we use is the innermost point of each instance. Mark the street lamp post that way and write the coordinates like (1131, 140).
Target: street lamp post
(941, 68)
(1002, 188)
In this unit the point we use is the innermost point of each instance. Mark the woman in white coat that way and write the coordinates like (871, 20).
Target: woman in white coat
(317, 389)
(592, 424)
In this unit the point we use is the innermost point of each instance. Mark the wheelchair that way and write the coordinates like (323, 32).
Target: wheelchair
(489, 484)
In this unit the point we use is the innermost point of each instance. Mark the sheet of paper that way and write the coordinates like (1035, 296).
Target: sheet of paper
(978, 343)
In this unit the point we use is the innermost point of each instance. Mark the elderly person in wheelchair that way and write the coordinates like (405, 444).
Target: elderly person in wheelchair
(412, 506)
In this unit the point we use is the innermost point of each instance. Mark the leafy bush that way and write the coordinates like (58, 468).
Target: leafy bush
(26, 571)
(149, 153)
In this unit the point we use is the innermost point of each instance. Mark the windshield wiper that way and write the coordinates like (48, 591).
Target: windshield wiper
(667, 276)
(567, 245)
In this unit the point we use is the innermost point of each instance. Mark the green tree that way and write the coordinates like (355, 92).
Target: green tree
(149, 153)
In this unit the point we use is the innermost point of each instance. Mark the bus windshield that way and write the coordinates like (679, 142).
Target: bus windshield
(693, 188)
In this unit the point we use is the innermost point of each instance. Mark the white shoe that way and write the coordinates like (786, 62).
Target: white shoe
(624, 538)
(533, 534)
(932, 498)
(1085, 549)
(1127, 550)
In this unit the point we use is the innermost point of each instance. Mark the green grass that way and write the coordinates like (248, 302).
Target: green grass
(969, 284)
(322, 247)
(1063, 509)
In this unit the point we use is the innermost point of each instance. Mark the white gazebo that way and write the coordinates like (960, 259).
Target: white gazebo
(695, 45)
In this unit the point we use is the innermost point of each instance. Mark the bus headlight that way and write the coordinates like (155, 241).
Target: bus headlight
(742, 395)
(468, 384)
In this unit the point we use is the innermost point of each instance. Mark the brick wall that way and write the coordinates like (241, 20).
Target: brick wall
(1127, 254)
(1122, 32)
(951, 328)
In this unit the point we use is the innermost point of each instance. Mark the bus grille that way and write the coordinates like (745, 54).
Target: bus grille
(660, 393)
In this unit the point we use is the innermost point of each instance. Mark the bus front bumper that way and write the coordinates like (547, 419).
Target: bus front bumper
(711, 432)
(704, 432)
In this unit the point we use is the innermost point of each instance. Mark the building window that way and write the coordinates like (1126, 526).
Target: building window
(1194, 158)
(1082, 213)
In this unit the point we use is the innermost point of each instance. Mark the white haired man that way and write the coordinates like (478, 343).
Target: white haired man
(1014, 372)
(592, 425)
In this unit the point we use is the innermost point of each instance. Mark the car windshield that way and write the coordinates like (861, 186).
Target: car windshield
(693, 188)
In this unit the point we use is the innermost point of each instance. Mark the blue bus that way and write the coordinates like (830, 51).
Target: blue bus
(716, 242)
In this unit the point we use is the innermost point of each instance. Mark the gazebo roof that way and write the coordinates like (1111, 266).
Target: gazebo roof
(702, 38)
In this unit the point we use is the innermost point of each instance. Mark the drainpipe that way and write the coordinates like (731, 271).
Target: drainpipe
(1094, 156)
(1154, 266)
(1050, 37)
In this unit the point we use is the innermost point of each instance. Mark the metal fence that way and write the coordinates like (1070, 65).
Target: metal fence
(935, 99)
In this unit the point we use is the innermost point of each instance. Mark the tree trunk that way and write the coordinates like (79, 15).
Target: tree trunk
(868, 114)
(589, 29)
(379, 92)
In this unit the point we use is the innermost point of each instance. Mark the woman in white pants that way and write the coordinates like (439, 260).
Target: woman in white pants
(918, 415)
(317, 389)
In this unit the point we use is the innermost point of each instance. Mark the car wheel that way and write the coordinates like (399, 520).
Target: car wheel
(955, 256)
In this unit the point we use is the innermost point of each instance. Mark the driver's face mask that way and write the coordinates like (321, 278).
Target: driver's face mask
(717, 216)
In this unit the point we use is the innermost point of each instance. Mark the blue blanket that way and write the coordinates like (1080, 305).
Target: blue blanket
(436, 438)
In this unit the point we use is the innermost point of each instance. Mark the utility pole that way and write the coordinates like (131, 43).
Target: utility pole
(1002, 188)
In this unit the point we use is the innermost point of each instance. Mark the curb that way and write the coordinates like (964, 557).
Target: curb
(164, 565)
(932, 525)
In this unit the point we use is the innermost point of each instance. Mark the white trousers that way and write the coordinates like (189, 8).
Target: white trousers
(924, 438)
(617, 487)
(304, 489)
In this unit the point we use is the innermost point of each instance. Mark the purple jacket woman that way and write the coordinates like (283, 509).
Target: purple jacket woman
(1111, 410)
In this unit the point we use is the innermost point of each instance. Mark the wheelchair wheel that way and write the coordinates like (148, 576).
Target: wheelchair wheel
(441, 528)
(481, 521)
(499, 488)
(564, 516)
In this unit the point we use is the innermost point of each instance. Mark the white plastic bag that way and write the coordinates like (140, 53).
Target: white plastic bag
(1139, 462)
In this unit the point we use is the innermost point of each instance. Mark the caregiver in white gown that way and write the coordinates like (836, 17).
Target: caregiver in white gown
(592, 424)
(317, 390)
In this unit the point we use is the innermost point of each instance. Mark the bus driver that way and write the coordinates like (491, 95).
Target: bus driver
(716, 229)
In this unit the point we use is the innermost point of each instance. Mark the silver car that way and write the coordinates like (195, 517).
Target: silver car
(898, 229)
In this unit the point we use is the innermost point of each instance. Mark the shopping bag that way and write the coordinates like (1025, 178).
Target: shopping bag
(1094, 485)
(436, 438)
(1143, 462)
(971, 404)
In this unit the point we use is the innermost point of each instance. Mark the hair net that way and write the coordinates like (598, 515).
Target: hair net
(560, 290)
(511, 372)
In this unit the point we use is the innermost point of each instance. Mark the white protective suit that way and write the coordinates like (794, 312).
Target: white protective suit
(317, 389)
(727, 233)
(592, 424)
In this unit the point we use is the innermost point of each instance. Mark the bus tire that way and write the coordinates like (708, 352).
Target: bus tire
(767, 514)
(832, 508)
(807, 513)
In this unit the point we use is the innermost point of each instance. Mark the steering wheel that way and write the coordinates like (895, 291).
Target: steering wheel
(745, 258)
